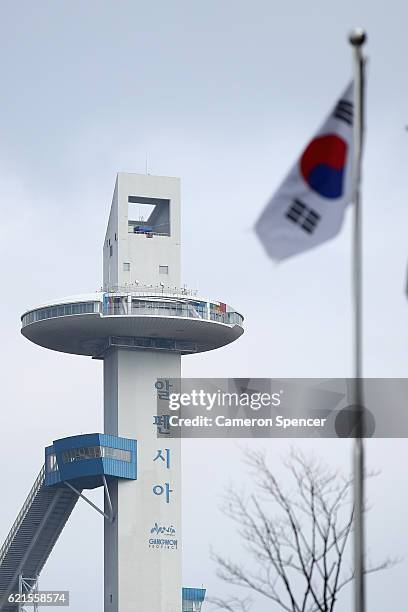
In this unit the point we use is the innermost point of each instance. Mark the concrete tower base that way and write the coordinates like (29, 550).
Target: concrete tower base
(143, 543)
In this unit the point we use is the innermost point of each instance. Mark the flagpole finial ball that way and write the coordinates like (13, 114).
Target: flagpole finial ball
(357, 37)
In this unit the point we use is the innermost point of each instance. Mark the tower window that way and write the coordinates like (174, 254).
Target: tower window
(163, 269)
(148, 216)
(110, 251)
(126, 267)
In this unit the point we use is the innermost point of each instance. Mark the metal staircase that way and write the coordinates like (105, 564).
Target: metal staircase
(33, 535)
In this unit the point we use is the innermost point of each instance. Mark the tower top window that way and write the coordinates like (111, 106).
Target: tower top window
(149, 216)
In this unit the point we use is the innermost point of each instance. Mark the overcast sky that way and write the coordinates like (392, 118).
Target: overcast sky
(223, 95)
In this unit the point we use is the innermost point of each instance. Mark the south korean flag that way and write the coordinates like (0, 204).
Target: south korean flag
(308, 208)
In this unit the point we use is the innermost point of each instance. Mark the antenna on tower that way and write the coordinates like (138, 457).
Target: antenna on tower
(147, 163)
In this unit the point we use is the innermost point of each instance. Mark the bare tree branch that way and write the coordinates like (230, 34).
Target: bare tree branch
(296, 536)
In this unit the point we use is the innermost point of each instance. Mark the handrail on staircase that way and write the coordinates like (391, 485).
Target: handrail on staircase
(39, 481)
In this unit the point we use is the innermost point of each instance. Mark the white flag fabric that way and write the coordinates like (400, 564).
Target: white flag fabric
(308, 208)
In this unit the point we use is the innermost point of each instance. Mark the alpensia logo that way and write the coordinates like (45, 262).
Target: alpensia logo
(159, 529)
(322, 165)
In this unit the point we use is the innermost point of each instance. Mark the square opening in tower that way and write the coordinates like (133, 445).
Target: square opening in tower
(149, 216)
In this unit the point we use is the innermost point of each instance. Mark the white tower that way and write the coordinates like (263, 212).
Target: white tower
(142, 245)
(140, 325)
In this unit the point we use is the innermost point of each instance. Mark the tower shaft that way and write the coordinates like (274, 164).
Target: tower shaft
(143, 543)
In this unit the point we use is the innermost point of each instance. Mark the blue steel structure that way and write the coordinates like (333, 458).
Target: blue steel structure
(193, 599)
(71, 465)
(84, 460)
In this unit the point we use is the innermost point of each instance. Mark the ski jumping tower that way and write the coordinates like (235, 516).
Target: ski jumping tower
(140, 324)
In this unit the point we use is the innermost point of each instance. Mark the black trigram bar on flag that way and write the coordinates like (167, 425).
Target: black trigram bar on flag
(344, 111)
(302, 215)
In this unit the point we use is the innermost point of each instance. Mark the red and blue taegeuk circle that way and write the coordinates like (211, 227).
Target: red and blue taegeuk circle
(323, 165)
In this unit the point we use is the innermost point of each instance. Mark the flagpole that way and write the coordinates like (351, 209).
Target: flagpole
(357, 39)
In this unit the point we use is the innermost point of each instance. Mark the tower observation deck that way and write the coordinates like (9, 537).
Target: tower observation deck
(139, 324)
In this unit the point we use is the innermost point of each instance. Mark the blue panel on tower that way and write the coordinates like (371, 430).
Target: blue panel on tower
(192, 599)
(83, 460)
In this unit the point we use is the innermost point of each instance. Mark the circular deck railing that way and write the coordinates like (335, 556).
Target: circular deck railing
(129, 305)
